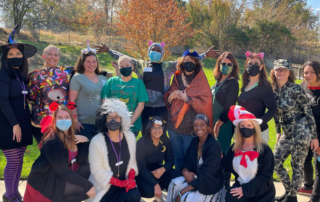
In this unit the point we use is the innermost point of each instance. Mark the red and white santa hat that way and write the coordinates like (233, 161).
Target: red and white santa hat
(238, 114)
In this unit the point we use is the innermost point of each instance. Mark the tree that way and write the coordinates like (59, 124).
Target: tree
(158, 20)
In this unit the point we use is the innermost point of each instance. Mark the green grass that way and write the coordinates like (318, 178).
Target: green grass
(69, 55)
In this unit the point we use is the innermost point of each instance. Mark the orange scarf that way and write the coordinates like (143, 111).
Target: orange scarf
(200, 96)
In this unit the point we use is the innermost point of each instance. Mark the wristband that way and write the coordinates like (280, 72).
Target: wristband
(180, 194)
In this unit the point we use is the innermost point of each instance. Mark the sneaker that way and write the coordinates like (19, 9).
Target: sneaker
(305, 191)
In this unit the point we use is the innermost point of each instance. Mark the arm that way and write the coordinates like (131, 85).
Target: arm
(73, 95)
(269, 101)
(4, 100)
(54, 150)
(225, 160)
(232, 96)
(75, 87)
(259, 184)
(137, 112)
(277, 123)
(141, 156)
(105, 92)
(34, 88)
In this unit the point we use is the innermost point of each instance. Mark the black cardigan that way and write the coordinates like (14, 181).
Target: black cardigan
(50, 171)
(263, 180)
(149, 157)
(209, 176)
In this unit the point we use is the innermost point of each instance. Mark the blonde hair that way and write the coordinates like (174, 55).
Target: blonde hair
(124, 57)
(48, 48)
(257, 138)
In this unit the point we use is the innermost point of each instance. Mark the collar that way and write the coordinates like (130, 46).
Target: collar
(313, 88)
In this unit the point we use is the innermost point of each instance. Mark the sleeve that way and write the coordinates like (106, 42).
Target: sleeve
(259, 184)
(83, 152)
(172, 88)
(75, 83)
(141, 156)
(277, 123)
(169, 159)
(34, 87)
(143, 95)
(105, 92)
(269, 101)
(232, 96)
(98, 171)
(4, 99)
(226, 159)
(211, 164)
(54, 151)
(306, 108)
(202, 56)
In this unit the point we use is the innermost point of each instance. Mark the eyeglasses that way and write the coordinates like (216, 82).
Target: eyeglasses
(156, 128)
(226, 64)
(116, 118)
(257, 64)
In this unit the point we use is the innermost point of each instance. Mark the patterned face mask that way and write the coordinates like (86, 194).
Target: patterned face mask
(113, 125)
(225, 70)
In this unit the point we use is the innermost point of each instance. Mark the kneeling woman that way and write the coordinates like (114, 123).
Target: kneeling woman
(155, 160)
(202, 175)
(249, 159)
(54, 175)
(112, 155)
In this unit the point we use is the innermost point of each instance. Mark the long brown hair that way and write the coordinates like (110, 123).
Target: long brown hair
(180, 67)
(315, 66)
(291, 78)
(235, 70)
(68, 141)
(79, 68)
(263, 79)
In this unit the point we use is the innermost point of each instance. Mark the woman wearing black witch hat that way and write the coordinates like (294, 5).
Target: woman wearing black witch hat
(15, 120)
(155, 160)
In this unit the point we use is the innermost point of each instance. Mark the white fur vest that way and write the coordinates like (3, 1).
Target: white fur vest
(99, 163)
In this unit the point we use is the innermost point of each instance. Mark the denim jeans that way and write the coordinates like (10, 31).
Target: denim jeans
(89, 131)
(180, 143)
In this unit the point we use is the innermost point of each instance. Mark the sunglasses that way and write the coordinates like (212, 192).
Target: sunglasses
(226, 64)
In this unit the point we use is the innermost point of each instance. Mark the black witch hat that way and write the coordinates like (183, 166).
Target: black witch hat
(28, 49)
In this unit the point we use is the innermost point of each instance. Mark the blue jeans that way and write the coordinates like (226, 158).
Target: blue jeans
(89, 131)
(180, 143)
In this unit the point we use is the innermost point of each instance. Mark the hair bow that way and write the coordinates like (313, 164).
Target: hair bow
(260, 55)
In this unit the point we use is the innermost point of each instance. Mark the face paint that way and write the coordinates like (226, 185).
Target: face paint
(225, 70)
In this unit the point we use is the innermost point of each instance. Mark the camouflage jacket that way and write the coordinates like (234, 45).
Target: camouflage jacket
(292, 102)
(168, 68)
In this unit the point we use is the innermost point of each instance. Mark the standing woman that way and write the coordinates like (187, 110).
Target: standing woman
(311, 85)
(85, 90)
(256, 93)
(188, 95)
(295, 118)
(112, 155)
(16, 132)
(47, 85)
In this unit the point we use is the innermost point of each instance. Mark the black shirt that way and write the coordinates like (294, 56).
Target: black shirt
(154, 80)
(257, 100)
(227, 96)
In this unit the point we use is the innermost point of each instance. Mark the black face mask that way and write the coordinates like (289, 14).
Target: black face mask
(113, 125)
(247, 132)
(126, 71)
(253, 70)
(189, 66)
(15, 62)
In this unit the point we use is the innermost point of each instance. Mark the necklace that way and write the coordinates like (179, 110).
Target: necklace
(119, 162)
(24, 92)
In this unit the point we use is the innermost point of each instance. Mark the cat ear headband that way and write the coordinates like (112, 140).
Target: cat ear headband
(260, 55)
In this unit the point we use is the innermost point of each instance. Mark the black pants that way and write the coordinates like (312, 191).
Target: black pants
(147, 190)
(37, 134)
(315, 197)
(152, 111)
(267, 196)
(308, 170)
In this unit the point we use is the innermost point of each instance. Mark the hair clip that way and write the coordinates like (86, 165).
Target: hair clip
(71, 105)
(53, 106)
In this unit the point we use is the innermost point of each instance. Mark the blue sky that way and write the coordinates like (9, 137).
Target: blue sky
(314, 4)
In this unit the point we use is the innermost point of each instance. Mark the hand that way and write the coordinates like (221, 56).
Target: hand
(213, 53)
(183, 96)
(129, 184)
(176, 94)
(158, 172)
(278, 137)
(102, 49)
(81, 138)
(79, 125)
(115, 65)
(188, 176)
(314, 144)
(318, 151)
(217, 128)
(237, 192)
(92, 192)
(17, 133)
(178, 199)
(157, 191)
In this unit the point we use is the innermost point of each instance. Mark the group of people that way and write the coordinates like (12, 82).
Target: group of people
(86, 123)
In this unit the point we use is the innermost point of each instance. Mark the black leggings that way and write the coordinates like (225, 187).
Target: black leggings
(76, 193)
(37, 134)
(308, 170)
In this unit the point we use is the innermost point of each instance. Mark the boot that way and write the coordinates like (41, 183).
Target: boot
(282, 197)
(291, 199)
